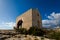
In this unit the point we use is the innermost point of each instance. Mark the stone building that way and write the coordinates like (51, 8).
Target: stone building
(29, 19)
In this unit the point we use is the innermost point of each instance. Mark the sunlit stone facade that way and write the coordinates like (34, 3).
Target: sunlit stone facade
(30, 18)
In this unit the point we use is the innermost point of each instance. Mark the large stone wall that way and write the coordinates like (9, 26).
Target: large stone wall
(36, 18)
(30, 18)
(26, 18)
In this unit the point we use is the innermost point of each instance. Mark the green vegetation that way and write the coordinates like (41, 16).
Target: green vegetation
(51, 34)
(36, 31)
(21, 30)
(54, 35)
(32, 31)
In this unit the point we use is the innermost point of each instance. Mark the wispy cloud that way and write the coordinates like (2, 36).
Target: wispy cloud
(52, 21)
(7, 25)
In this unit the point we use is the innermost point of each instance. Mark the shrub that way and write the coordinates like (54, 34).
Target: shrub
(55, 35)
(21, 30)
(32, 31)
(36, 31)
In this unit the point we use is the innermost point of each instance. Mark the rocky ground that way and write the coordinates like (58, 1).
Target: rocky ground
(12, 35)
(21, 37)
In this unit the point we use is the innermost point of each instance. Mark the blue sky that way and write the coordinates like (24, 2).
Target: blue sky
(10, 9)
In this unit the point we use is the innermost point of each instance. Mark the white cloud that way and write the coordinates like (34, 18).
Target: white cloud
(53, 20)
(54, 16)
(7, 25)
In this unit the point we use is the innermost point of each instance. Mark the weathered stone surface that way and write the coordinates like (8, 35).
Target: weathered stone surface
(30, 18)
